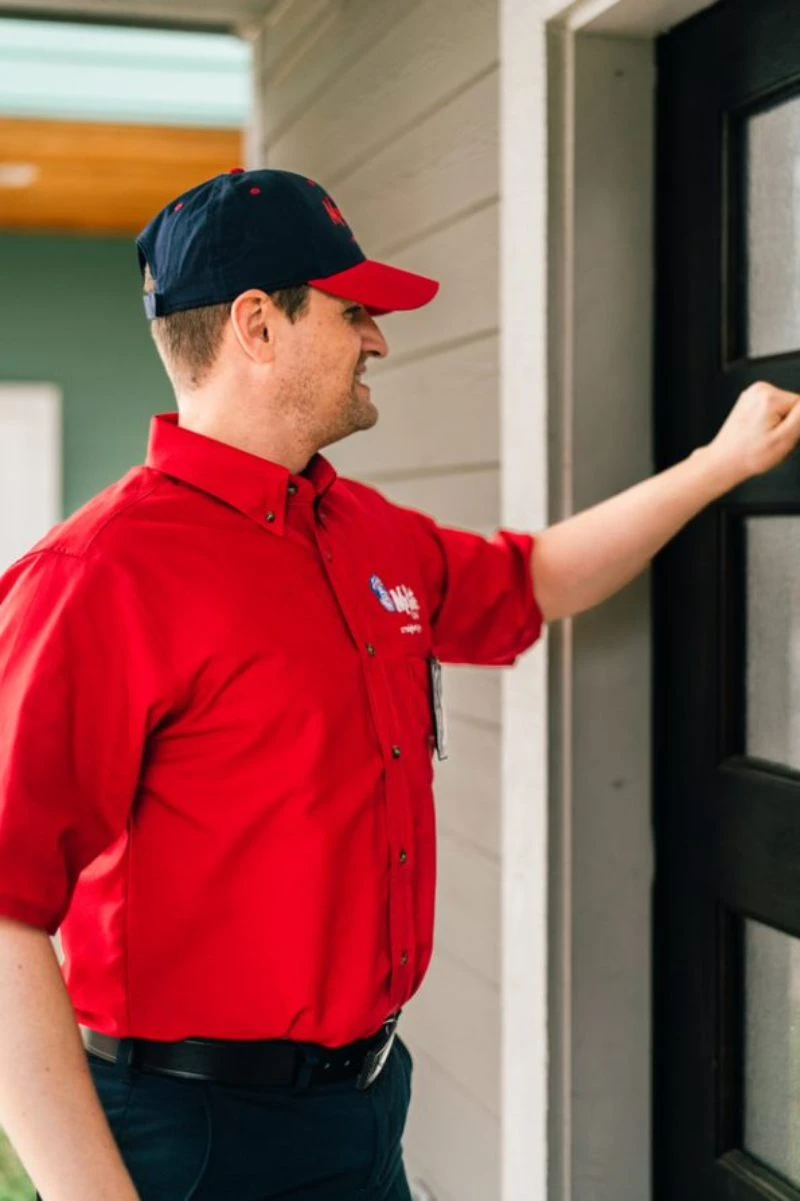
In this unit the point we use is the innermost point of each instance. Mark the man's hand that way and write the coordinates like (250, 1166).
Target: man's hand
(762, 430)
(588, 558)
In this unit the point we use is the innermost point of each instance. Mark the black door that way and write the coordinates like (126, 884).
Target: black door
(727, 618)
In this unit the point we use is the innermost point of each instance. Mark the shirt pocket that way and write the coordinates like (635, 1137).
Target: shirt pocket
(409, 676)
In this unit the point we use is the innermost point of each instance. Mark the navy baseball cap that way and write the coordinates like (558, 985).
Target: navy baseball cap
(264, 229)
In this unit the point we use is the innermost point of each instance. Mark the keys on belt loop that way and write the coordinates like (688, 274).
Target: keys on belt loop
(375, 1060)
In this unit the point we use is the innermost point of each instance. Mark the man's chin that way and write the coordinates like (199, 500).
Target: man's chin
(365, 415)
(370, 418)
(361, 421)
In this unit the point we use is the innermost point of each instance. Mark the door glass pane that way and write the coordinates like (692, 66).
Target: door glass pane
(772, 154)
(772, 1049)
(773, 640)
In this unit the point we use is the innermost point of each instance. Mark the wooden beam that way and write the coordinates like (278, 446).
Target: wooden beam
(105, 179)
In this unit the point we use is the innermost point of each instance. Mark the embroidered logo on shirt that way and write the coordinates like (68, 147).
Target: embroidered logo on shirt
(397, 600)
(382, 592)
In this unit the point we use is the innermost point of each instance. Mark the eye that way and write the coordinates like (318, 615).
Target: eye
(354, 311)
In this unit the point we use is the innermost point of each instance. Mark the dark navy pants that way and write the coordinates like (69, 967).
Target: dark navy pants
(188, 1140)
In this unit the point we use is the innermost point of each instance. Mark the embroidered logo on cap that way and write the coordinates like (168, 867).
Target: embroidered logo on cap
(334, 213)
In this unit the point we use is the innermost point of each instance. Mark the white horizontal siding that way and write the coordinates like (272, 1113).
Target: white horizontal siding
(452, 1139)
(308, 46)
(473, 693)
(468, 910)
(417, 402)
(465, 785)
(393, 108)
(414, 185)
(365, 94)
(465, 1035)
(465, 499)
(463, 257)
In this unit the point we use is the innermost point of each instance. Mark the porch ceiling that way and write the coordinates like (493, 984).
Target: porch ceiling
(224, 14)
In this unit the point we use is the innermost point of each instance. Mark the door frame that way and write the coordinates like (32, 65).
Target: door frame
(555, 1051)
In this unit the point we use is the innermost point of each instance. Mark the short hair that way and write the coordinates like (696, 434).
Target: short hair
(188, 341)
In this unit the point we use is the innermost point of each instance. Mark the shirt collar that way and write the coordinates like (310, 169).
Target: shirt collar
(255, 486)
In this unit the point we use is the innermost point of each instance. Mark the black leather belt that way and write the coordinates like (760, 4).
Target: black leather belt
(251, 1063)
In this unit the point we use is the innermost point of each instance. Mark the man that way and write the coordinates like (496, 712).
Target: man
(219, 704)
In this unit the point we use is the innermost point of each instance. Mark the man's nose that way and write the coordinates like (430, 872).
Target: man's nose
(374, 341)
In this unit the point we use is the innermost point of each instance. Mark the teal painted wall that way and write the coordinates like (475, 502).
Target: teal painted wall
(71, 314)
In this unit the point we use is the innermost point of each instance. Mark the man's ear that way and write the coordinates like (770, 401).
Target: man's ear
(253, 319)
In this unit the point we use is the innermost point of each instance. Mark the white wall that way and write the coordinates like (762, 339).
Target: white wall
(30, 466)
(393, 107)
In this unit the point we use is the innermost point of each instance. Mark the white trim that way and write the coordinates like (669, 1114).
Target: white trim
(523, 408)
(561, 159)
(583, 13)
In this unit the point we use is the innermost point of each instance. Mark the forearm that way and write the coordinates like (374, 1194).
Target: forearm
(49, 1107)
(580, 562)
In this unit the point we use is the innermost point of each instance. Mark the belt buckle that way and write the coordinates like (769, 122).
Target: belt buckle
(375, 1060)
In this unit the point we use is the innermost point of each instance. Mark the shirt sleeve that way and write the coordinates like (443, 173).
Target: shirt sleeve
(483, 604)
(75, 711)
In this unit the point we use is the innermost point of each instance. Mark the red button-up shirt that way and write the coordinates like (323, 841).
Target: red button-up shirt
(216, 740)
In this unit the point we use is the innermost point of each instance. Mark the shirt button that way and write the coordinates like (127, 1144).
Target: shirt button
(396, 752)
(371, 650)
(404, 958)
(293, 489)
(403, 856)
(270, 517)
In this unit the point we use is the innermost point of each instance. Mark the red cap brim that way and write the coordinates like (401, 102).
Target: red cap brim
(379, 287)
